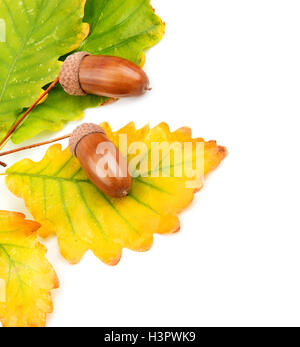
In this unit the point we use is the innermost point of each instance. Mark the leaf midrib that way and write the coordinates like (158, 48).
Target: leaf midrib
(99, 17)
(76, 181)
(49, 177)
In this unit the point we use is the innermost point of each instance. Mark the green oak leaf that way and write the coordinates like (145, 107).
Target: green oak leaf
(38, 32)
(124, 28)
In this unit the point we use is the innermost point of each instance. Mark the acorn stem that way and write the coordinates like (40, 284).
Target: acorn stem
(12, 130)
(32, 146)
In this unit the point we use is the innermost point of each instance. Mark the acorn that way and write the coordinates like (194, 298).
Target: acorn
(101, 160)
(83, 73)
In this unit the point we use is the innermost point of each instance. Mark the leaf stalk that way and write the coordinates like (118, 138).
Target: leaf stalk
(22, 118)
(32, 146)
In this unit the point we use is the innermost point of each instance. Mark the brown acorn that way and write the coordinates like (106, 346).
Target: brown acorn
(83, 74)
(109, 76)
(101, 160)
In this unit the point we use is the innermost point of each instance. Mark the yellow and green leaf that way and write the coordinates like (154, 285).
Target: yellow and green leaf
(38, 32)
(26, 277)
(124, 28)
(63, 200)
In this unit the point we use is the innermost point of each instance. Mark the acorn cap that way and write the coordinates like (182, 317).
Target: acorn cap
(69, 74)
(82, 131)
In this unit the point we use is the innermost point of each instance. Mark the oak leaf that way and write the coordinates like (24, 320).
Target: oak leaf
(26, 277)
(38, 32)
(123, 28)
(62, 199)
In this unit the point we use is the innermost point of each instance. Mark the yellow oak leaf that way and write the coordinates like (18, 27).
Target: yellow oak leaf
(62, 199)
(26, 277)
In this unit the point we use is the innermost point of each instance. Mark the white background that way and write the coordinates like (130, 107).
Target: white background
(231, 71)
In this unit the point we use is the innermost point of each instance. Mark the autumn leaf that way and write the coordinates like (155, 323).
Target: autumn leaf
(38, 32)
(26, 277)
(124, 28)
(61, 198)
